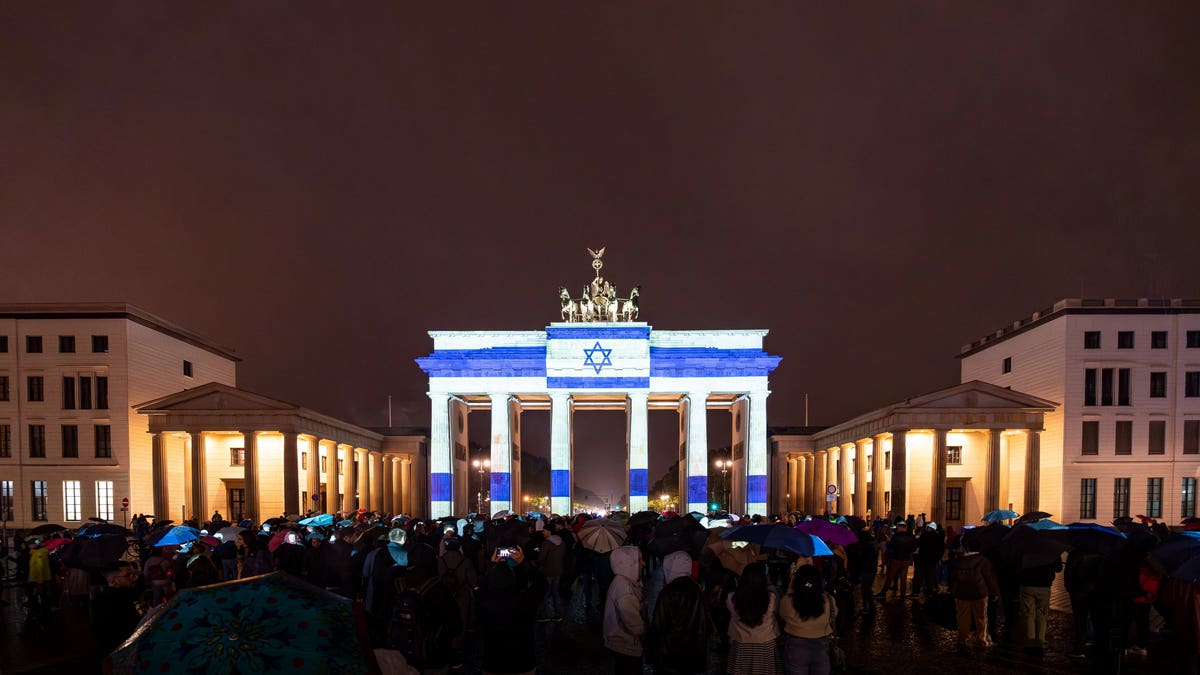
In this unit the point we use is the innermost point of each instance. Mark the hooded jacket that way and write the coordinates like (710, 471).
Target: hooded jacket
(972, 577)
(678, 637)
(624, 618)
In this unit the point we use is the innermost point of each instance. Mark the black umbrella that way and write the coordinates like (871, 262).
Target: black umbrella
(101, 528)
(987, 538)
(161, 523)
(1033, 517)
(1094, 538)
(97, 520)
(275, 521)
(94, 552)
(678, 534)
(1028, 547)
(48, 528)
(642, 517)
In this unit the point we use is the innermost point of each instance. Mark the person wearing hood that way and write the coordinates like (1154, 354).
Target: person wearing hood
(624, 613)
(972, 583)
(507, 605)
(677, 641)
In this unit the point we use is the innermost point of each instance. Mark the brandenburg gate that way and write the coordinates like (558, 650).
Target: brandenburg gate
(598, 357)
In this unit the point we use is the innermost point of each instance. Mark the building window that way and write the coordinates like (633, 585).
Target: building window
(66, 344)
(1154, 487)
(1091, 339)
(3, 387)
(1006, 366)
(1158, 385)
(887, 501)
(1120, 497)
(1191, 384)
(70, 441)
(37, 498)
(5, 440)
(6, 499)
(102, 392)
(1188, 495)
(1157, 443)
(1125, 339)
(1158, 339)
(72, 509)
(1191, 437)
(187, 368)
(887, 459)
(954, 497)
(33, 344)
(68, 393)
(237, 457)
(1089, 386)
(1087, 498)
(1106, 386)
(324, 465)
(1122, 386)
(85, 393)
(100, 344)
(237, 504)
(103, 441)
(3, 344)
(304, 460)
(1091, 438)
(36, 388)
(1124, 437)
(37, 440)
(104, 499)
(954, 454)
(1193, 339)
(342, 466)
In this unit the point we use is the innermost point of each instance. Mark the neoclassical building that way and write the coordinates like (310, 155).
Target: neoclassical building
(216, 447)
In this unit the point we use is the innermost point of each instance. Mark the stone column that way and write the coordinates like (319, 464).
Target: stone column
(389, 486)
(199, 459)
(878, 485)
(502, 495)
(377, 498)
(899, 473)
(332, 500)
(697, 453)
(560, 452)
(314, 475)
(1033, 469)
(756, 454)
(794, 465)
(158, 470)
(348, 486)
(441, 457)
(860, 478)
(636, 444)
(937, 491)
(363, 480)
(846, 497)
(402, 484)
(291, 473)
(250, 443)
(991, 490)
(822, 479)
(815, 487)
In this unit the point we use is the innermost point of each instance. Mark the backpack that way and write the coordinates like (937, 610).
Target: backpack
(410, 625)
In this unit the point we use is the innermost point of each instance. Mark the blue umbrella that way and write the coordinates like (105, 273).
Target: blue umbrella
(1094, 538)
(178, 534)
(1177, 551)
(536, 514)
(779, 536)
(1046, 524)
(999, 515)
(322, 520)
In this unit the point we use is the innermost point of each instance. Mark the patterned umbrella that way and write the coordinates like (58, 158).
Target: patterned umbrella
(274, 623)
(602, 535)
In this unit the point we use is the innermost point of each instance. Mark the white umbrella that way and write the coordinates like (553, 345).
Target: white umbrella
(602, 535)
(229, 533)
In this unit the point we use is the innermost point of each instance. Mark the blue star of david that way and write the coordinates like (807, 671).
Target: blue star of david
(591, 357)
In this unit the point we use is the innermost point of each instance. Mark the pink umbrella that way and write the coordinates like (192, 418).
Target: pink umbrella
(55, 543)
(830, 533)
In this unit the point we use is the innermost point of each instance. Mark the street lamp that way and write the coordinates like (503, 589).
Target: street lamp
(725, 465)
(480, 466)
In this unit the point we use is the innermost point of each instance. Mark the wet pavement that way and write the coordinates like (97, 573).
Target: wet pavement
(900, 639)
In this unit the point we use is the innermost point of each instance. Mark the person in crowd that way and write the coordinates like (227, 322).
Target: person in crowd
(1035, 584)
(677, 639)
(258, 559)
(550, 561)
(1080, 576)
(624, 612)
(458, 574)
(114, 612)
(861, 567)
(157, 573)
(972, 583)
(931, 547)
(201, 571)
(507, 604)
(425, 625)
(807, 613)
(226, 554)
(900, 550)
(753, 629)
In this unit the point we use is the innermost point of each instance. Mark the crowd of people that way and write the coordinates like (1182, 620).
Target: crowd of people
(674, 604)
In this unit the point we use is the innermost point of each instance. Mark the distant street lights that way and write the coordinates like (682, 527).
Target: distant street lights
(725, 465)
(480, 466)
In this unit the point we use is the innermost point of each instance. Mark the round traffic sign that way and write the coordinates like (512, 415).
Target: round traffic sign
(831, 489)
(125, 502)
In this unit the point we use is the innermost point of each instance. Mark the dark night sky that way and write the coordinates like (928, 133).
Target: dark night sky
(876, 184)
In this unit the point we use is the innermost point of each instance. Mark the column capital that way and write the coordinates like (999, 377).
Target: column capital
(436, 395)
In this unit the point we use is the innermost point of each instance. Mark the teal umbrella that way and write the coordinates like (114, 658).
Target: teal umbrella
(273, 623)
(999, 515)
(178, 534)
(322, 520)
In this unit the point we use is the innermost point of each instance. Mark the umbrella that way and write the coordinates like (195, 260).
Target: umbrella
(266, 623)
(1032, 547)
(275, 521)
(1031, 517)
(619, 516)
(678, 534)
(855, 523)
(48, 528)
(1094, 538)
(508, 534)
(101, 528)
(1046, 524)
(1188, 571)
(733, 558)
(177, 535)
(601, 535)
(987, 537)
(643, 517)
(828, 532)
(503, 513)
(322, 520)
(99, 552)
(534, 514)
(230, 533)
(281, 537)
(999, 515)
(56, 542)
(209, 541)
(779, 536)
(1177, 550)
(161, 523)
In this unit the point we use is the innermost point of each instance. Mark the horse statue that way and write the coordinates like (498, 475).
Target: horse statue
(570, 308)
(587, 309)
(629, 306)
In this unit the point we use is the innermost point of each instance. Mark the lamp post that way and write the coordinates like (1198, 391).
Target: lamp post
(724, 465)
(480, 466)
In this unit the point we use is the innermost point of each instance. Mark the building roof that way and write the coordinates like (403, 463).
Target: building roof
(1084, 306)
(795, 431)
(113, 310)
